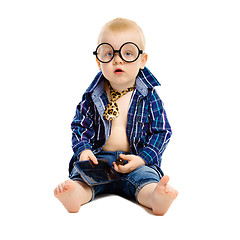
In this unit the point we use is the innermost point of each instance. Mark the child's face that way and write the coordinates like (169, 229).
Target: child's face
(125, 78)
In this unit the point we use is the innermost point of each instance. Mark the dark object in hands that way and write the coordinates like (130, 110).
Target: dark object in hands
(120, 161)
(92, 174)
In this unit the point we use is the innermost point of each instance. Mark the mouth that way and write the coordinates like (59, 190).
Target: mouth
(118, 71)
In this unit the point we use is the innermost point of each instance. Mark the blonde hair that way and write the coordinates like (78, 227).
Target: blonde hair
(121, 25)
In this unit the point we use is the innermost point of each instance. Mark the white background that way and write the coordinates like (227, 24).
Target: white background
(46, 64)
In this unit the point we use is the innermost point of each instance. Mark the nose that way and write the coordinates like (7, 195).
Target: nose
(117, 59)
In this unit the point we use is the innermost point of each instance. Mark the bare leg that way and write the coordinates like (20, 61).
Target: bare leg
(157, 196)
(73, 194)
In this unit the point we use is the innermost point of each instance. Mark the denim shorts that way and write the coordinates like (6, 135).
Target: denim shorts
(130, 183)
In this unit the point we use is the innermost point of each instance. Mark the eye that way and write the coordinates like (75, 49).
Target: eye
(128, 54)
(109, 54)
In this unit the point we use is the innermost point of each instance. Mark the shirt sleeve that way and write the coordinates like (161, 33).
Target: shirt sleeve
(82, 126)
(159, 132)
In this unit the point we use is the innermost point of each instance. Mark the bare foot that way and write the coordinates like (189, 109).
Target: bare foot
(72, 194)
(163, 196)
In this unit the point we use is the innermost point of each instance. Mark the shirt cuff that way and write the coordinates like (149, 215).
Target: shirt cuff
(149, 156)
(82, 146)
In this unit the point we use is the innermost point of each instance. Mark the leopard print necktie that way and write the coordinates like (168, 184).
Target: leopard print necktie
(112, 111)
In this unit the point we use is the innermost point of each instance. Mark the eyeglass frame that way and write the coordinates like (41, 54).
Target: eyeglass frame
(118, 51)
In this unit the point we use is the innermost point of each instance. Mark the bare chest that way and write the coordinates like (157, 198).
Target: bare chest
(118, 138)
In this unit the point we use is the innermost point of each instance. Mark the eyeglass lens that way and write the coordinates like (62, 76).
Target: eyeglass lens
(129, 52)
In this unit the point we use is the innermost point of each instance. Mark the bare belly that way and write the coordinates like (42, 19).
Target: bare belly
(117, 140)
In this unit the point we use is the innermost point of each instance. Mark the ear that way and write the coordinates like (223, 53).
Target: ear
(99, 64)
(143, 61)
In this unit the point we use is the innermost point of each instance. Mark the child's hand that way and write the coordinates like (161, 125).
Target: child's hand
(133, 163)
(87, 154)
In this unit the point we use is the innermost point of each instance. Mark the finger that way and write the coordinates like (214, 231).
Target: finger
(84, 157)
(119, 168)
(123, 169)
(124, 157)
(115, 166)
(94, 159)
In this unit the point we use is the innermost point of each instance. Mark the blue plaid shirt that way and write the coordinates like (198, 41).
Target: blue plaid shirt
(148, 130)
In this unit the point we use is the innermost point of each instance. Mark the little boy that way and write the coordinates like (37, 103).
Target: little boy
(121, 115)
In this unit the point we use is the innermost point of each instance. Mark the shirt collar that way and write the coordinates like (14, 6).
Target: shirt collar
(144, 81)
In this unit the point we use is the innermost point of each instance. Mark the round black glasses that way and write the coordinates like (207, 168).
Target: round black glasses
(128, 52)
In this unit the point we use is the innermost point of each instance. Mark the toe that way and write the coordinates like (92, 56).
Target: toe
(60, 187)
(164, 180)
(56, 191)
(68, 184)
(176, 194)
